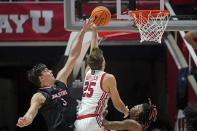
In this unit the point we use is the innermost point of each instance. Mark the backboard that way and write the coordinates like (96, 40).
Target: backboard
(75, 11)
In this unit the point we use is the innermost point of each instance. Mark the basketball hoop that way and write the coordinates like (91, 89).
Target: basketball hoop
(151, 23)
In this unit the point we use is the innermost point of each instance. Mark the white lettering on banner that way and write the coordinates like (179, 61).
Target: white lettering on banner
(4, 24)
(19, 21)
(36, 15)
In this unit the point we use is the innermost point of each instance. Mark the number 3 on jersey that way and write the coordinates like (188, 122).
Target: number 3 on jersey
(89, 88)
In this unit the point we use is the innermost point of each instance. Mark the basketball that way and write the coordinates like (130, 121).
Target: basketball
(102, 16)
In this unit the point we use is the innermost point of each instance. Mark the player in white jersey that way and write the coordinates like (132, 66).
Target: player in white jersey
(98, 87)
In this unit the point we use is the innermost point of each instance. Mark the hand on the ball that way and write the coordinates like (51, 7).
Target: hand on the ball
(94, 27)
(87, 24)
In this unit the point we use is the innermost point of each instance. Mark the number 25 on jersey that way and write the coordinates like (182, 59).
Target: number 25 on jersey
(88, 90)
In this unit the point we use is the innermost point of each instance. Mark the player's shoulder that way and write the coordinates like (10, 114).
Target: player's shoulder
(109, 77)
(38, 97)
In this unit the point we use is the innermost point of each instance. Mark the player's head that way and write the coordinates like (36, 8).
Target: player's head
(40, 75)
(96, 60)
(144, 114)
(190, 113)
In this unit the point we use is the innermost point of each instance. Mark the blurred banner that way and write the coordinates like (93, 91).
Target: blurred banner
(32, 22)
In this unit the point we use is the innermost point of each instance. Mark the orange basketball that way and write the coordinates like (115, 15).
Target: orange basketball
(102, 16)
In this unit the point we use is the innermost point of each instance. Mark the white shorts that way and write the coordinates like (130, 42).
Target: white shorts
(89, 124)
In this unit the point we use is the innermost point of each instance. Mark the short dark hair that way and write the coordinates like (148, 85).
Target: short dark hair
(190, 113)
(35, 72)
(95, 59)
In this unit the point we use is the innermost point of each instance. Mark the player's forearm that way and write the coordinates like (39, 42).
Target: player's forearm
(29, 116)
(113, 126)
(36, 103)
(31, 113)
(122, 125)
(120, 106)
(94, 41)
(76, 47)
(107, 124)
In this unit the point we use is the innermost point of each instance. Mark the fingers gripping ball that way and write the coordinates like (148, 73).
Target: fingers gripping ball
(101, 15)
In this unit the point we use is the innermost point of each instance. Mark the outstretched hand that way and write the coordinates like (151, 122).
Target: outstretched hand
(23, 121)
(87, 24)
(93, 27)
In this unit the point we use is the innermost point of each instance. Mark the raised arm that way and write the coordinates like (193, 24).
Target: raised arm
(109, 85)
(190, 38)
(36, 102)
(94, 42)
(74, 53)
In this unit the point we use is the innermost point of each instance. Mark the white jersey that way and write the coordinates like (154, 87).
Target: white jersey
(94, 99)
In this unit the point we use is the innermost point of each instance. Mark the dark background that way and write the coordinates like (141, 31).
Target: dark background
(140, 72)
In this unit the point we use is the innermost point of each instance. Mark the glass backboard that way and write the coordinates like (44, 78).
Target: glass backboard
(75, 11)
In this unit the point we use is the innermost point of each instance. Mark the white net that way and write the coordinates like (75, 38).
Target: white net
(151, 27)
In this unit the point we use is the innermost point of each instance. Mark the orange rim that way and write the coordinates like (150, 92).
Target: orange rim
(145, 13)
